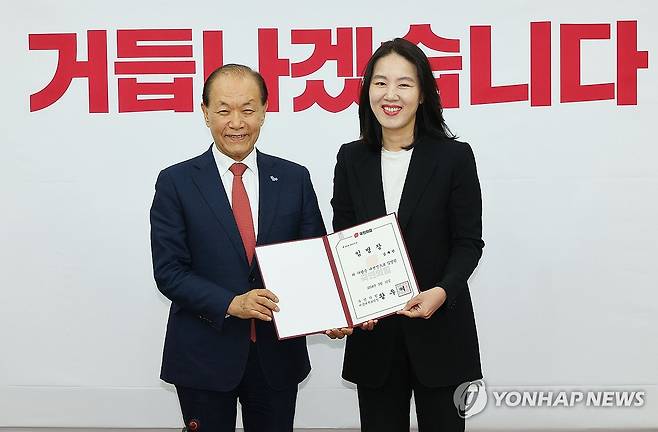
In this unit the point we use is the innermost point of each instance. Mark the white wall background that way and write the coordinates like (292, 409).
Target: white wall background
(566, 293)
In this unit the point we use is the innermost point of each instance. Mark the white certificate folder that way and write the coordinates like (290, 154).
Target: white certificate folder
(339, 280)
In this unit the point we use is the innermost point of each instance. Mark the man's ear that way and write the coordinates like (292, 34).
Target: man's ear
(264, 112)
(205, 113)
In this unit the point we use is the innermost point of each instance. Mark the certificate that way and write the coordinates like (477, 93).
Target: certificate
(340, 280)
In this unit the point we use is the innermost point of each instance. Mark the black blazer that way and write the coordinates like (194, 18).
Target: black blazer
(200, 264)
(440, 215)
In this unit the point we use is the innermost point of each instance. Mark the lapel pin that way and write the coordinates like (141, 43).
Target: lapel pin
(274, 178)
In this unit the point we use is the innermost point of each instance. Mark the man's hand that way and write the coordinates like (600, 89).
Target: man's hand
(257, 303)
(346, 331)
(424, 304)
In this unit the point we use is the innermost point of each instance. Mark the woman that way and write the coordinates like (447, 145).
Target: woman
(407, 161)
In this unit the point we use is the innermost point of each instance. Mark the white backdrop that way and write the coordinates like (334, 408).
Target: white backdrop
(565, 296)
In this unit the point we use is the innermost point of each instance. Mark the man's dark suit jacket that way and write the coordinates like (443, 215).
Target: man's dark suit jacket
(200, 264)
(440, 217)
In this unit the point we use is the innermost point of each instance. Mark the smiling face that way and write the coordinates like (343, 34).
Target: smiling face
(395, 95)
(234, 114)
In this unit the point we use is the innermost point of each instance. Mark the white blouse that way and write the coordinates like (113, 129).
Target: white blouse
(394, 172)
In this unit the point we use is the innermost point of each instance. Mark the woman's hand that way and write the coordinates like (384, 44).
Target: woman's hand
(346, 331)
(369, 325)
(339, 333)
(424, 304)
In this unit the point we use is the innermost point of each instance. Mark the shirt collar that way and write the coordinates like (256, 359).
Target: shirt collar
(224, 162)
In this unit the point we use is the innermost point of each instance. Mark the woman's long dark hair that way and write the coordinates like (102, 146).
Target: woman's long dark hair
(429, 117)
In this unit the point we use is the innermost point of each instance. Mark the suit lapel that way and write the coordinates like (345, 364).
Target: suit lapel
(210, 185)
(421, 168)
(369, 173)
(268, 194)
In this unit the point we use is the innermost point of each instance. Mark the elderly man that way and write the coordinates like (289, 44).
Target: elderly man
(207, 216)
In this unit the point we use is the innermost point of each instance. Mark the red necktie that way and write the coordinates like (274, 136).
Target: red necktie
(242, 214)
